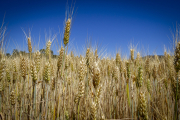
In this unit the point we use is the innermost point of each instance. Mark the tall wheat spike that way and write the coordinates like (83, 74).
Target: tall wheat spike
(67, 32)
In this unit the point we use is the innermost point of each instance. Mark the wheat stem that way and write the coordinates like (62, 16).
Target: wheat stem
(34, 103)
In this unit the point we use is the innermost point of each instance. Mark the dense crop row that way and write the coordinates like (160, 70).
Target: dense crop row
(36, 86)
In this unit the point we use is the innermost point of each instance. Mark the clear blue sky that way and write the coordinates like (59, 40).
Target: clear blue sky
(113, 24)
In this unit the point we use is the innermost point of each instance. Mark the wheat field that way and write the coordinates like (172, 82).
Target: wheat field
(39, 86)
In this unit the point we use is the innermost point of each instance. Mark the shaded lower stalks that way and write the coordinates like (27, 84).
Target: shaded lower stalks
(0, 102)
(47, 87)
(138, 103)
(34, 101)
(176, 102)
(78, 108)
(23, 95)
(132, 108)
(40, 106)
